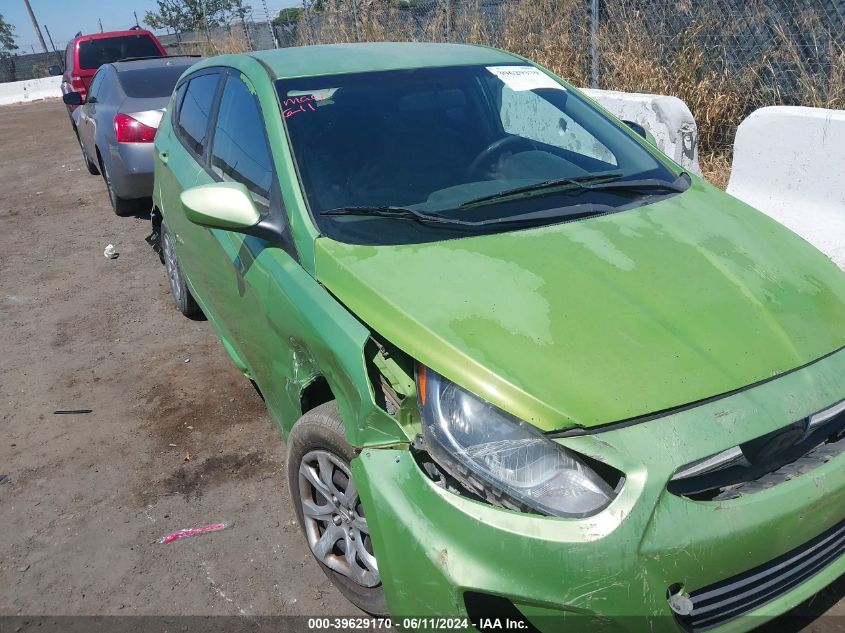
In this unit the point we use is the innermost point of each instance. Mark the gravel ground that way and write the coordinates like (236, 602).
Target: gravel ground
(176, 437)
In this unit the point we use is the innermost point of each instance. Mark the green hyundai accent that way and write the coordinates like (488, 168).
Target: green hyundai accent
(525, 365)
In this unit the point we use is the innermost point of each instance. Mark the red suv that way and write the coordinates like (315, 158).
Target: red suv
(86, 53)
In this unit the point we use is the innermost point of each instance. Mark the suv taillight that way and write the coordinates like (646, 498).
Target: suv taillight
(129, 130)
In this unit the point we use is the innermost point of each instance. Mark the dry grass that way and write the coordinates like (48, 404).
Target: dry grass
(691, 64)
(233, 42)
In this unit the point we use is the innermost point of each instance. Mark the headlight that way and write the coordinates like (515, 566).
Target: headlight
(503, 458)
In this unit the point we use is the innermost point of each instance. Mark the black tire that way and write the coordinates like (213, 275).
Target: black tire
(89, 165)
(185, 303)
(319, 432)
(121, 206)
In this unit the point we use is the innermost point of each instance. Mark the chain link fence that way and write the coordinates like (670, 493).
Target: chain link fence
(785, 41)
(724, 58)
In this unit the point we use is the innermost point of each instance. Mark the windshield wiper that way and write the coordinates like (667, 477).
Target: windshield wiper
(584, 184)
(402, 213)
(573, 212)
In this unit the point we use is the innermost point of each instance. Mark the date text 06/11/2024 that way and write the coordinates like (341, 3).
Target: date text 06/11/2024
(427, 623)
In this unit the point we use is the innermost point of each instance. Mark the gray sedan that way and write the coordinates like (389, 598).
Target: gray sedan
(118, 121)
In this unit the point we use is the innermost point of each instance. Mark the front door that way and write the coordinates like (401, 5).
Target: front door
(181, 151)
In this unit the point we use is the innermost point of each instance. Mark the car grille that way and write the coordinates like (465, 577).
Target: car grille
(766, 461)
(730, 598)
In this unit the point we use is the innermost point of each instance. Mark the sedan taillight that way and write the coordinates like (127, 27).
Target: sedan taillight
(129, 130)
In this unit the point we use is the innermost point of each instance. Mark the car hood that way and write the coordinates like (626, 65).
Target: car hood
(604, 319)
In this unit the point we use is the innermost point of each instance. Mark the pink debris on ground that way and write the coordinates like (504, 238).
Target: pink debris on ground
(203, 529)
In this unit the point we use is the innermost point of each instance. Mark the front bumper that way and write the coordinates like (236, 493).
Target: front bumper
(613, 570)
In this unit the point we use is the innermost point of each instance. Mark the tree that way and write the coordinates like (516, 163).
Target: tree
(194, 15)
(288, 16)
(7, 38)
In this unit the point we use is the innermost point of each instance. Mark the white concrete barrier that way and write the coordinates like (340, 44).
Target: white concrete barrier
(789, 162)
(30, 90)
(667, 118)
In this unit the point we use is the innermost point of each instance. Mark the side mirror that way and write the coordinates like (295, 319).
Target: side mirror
(54, 70)
(72, 98)
(220, 205)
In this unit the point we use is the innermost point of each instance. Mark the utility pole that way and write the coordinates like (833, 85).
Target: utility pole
(50, 37)
(307, 22)
(355, 18)
(36, 27)
(205, 22)
(270, 24)
(594, 43)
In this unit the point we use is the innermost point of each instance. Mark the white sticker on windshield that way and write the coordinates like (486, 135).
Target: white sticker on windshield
(519, 78)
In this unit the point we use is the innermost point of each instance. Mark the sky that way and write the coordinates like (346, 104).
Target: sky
(64, 18)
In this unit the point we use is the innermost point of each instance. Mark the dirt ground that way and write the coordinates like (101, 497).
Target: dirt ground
(176, 437)
(89, 493)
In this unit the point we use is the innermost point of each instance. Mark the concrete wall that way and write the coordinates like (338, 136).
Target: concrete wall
(667, 118)
(789, 162)
(30, 90)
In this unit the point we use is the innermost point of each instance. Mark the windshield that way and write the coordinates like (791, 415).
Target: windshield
(382, 155)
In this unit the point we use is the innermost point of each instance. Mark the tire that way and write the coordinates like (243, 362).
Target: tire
(185, 303)
(121, 206)
(89, 165)
(318, 452)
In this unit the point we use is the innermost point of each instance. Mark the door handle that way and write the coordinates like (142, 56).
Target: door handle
(163, 156)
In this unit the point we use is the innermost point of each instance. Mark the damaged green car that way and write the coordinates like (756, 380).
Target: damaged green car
(526, 366)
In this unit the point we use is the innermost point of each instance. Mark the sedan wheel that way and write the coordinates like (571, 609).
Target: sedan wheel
(121, 206)
(335, 525)
(181, 295)
(329, 507)
(91, 167)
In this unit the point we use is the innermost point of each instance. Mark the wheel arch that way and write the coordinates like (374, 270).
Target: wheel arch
(314, 393)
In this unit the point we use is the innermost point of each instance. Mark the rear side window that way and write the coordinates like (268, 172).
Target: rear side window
(195, 110)
(99, 90)
(149, 83)
(95, 53)
(240, 151)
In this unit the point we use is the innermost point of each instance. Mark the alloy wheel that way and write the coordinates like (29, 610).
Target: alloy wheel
(335, 525)
(171, 266)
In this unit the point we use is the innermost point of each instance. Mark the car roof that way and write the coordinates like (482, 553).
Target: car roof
(155, 62)
(330, 59)
(100, 36)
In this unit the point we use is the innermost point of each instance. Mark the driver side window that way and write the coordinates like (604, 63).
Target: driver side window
(527, 114)
(240, 151)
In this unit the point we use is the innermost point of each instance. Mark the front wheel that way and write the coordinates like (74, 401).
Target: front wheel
(91, 167)
(329, 509)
